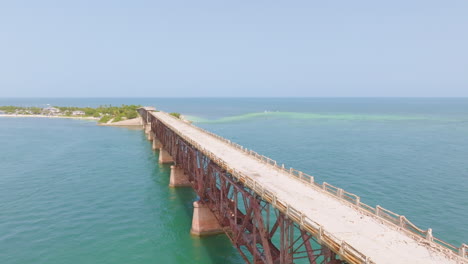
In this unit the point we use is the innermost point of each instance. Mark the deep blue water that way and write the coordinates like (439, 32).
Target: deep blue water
(74, 191)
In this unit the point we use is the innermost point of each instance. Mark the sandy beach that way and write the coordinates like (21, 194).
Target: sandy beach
(44, 116)
(129, 122)
(135, 122)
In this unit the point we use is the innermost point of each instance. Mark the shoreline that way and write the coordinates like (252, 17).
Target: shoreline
(130, 123)
(44, 116)
(134, 122)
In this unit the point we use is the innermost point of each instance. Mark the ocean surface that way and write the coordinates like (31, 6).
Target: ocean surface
(74, 192)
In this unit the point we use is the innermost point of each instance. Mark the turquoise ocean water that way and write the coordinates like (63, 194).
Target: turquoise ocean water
(74, 192)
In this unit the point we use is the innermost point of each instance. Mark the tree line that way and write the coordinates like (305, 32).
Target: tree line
(104, 112)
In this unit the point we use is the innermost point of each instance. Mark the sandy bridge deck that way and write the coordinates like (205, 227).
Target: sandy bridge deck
(381, 242)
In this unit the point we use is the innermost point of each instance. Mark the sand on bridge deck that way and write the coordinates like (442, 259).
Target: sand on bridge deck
(381, 242)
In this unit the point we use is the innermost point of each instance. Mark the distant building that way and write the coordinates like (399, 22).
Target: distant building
(50, 110)
(2, 112)
(76, 113)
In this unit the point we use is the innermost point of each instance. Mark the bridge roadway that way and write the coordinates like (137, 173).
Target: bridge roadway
(381, 242)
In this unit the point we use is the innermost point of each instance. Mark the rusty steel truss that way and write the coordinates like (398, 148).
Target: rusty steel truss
(261, 233)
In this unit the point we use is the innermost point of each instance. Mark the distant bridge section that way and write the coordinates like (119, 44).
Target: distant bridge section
(274, 214)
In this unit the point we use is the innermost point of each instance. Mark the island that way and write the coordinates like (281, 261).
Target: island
(124, 115)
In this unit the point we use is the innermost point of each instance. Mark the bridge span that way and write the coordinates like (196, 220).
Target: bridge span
(274, 214)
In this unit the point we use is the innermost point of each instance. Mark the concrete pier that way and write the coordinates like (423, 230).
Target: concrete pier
(178, 177)
(150, 135)
(164, 156)
(156, 143)
(148, 129)
(204, 221)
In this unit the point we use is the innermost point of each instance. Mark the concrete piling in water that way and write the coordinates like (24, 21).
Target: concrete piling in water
(156, 143)
(178, 177)
(164, 156)
(150, 136)
(148, 132)
(204, 221)
(148, 128)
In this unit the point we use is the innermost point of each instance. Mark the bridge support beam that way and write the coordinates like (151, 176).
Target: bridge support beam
(156, 143)
(204, 222)
(147, 128)
(150, 136)
(178, 177)
(164, 156)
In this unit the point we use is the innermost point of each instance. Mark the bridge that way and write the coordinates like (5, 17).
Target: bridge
(274, 214)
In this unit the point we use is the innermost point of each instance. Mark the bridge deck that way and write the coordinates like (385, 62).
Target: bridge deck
(381, 242)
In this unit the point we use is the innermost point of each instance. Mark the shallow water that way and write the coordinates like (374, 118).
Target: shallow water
(73, 192)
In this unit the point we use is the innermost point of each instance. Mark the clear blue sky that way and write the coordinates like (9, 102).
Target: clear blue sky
(233, 48)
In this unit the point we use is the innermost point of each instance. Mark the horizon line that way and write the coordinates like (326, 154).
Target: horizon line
(229, 97)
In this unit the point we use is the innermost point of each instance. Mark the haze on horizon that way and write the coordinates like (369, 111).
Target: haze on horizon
(233, 49)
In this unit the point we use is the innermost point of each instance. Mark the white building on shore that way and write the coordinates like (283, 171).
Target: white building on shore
(78, 113)
(50, 111)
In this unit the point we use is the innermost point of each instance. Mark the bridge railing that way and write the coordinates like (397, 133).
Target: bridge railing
(306, 223)
(398, 221)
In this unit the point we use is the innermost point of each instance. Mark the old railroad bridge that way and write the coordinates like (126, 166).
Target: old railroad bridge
(274, 214)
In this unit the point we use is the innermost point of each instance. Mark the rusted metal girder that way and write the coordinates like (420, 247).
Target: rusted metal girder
(261, 233)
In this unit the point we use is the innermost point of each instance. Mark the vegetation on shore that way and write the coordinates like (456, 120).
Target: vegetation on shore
(9, 109)
(104, 112)
(177, 115)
